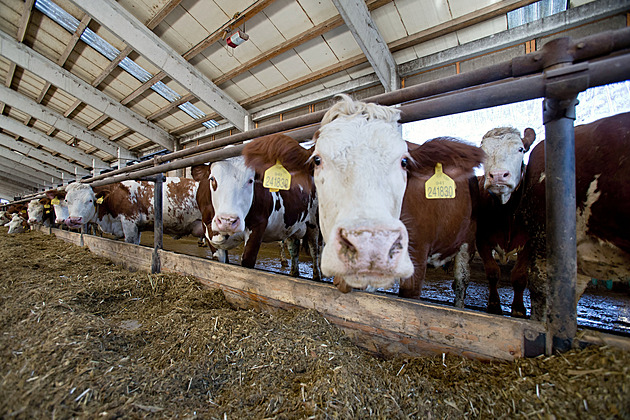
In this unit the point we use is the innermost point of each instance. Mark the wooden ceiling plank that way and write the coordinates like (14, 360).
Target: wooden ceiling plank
(165, 110)
(358, 20)
(21, 33)
(49, 71)
(152, 48)
(38, 137)
(58, 121)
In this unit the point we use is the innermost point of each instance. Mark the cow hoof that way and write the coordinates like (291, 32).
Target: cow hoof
(519, 313)
(495, 308)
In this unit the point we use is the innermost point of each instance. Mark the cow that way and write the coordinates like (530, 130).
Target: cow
(501, 190)
(370, 185)
(41, 212)
(126, 208)
(236, 207)
(18, 224)
(602, 167)
(4, 218)
(58, 201)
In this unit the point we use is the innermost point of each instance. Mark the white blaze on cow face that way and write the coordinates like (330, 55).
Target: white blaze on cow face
(503, 165)
(61, 211)
(232, 191)
(360, 180)
(35, 212)
(81, 202)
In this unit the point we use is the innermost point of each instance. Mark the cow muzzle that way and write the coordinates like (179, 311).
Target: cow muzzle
(368, 256)
(74, 222)
(227, 224)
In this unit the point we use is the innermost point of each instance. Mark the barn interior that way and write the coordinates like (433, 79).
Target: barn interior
(91, 86)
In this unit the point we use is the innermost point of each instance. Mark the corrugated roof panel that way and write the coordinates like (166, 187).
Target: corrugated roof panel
(436, 45)
(417, 18)
(483, 29)
(288, 17)
(181, 31)
(535, 11)
(389, 23)
(318, 11)
(342, 44)
(315, 53)
(291, 66)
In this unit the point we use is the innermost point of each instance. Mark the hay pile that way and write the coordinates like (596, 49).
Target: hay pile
(82, 337)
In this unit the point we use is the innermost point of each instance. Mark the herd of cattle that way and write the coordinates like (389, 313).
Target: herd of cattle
(381, 209)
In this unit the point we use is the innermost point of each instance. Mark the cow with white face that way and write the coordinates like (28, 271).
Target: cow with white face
(371, 190)
(18, 224)
(84, 205)
(236, 207)
(60, 205)
(501, 191)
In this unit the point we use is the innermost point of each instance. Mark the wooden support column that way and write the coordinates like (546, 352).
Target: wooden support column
(158, 231)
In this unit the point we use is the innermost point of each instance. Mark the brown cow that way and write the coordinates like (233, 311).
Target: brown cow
(602, 165)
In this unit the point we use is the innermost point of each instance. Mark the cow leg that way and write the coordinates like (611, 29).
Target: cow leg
(130, 229)
(312, 239)
(493, 274)
(222, 256)
(252, 246)
(410, 287)
(518, 278)
(293, 245)
(283, 256)
(462, 275)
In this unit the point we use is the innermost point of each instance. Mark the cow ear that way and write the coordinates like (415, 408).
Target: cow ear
(265, 151)
(101, 196)
(529, 136)
(200, 172)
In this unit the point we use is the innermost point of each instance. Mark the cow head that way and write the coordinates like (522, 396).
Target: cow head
(81, 201)
(231, 185)
(17, 224)
(358, 163)
(504, 164)
(35, 212)
(59, 203)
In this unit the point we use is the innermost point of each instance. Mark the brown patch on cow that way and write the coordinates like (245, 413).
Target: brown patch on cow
(263, 152)
(458, 159)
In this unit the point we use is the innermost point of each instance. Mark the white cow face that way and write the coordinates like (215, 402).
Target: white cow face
(81, 202)
(16, 225)
(504, 165)
(232, 190)
(35, 212)
(61, 211)
(360, 176)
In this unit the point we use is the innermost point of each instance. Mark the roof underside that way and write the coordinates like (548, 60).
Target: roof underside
(90, 84)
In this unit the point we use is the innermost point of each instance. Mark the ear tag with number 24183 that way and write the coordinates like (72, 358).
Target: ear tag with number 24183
(277, 178)
(439, 185)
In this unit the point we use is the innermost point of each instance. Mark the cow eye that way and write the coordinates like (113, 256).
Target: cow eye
(317, 160)
(251, 181)
(212, 178)
(404, 162)
(521, 149)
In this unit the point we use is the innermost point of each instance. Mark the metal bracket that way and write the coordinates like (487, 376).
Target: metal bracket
(566, 82)
(533, 343)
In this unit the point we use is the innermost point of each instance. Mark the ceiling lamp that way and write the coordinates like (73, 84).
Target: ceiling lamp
(236, 39)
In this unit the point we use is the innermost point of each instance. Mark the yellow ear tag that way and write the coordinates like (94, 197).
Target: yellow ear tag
(99, 200)
(439, 185)
(46, 206)
(277, 178)
(23, 211)
(54, 201)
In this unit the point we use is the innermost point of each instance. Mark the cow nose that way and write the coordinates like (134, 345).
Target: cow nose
(74, 221)
(370, 250)
(227, 223)
(500, 176)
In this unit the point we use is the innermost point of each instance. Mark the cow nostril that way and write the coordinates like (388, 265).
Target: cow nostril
(396, 247)
(491, 176)
(505, 175)
(346, 246)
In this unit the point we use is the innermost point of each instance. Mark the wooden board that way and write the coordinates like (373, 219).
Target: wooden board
(381, 324)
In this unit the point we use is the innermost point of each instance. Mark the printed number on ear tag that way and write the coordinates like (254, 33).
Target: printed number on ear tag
(277, 178)
(99, 200)
(439, 185)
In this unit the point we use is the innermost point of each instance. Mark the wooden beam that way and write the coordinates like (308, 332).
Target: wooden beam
(30, 162)
(21, 33)
(58, 121)
(36, 136)
(358, 20)
(11, 166)
(120, 21)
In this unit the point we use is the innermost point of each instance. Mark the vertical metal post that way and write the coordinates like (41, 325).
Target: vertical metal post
(558, 116)
(158, 232)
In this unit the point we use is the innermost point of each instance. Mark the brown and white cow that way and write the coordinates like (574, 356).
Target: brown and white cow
(126, 208)
(501, 190)
(236, 207)
(17, 224)
(365, 177)
(602, 166)
(58, 201)
(41, 212)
